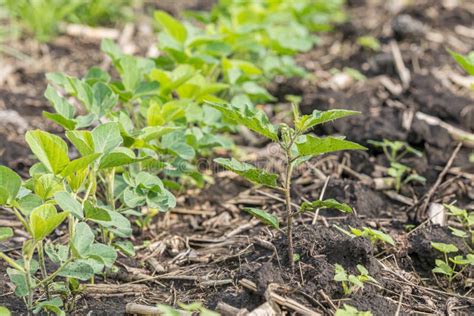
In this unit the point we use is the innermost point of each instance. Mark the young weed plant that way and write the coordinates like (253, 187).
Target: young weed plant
(449, 265)
(350, 282)
(297, 145)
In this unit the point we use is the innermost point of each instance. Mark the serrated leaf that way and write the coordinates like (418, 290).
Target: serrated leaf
(253, 119)
(313, 146)
(329, 203)
(50, 149)
(10, 183)
(263, 216)
(249, 172)
(68, 203)
(306, 122)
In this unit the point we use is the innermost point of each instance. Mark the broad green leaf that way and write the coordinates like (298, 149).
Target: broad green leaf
(83, 239)
(29, 202)
(253, 119)
(340, 274)
(458, 232)
(96, 213)
(10, 184)
(60, 104)
(79, 164)
(249, 172)
(44, 219)
(329, 203)
(46, 186)
(53, 305)
(68, 203)
(19, 280)
(126, 247)
(50, 149)
(306, 122)
(444, 248)
(117, 157)
(263, 216)
(57, 253)
(5, 233)
(118, 224)
(313, 146)
(442, 268)
(82, 140)
(106, 137)
(78, 270)
(102, 253)
(131, 74)
(171, 26)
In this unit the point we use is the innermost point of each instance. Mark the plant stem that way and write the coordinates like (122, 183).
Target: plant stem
(44, 273)
(55, 273)
(11, 262)
(29, 298)
(289, 215)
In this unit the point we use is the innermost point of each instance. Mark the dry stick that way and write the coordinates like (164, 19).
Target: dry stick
(323, 191)
(139, 309)
(399, 305)
(422, 210)
(403, 72)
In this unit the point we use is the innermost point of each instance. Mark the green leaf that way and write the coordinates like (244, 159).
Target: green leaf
(106, 137)
(82, 140)
(466, 62)
(117, 157)
(171, 26)
(102, 253)
(340, 274)
(53, 305)
(126, 247)
(78, 270)
(46, 186)
(60, 104)
(249, 172)
(68, 203)
(444, 248)
(443, 268)
(458, 232)
(44, 219)
(131, 75)
(4, 311)
(83, 239)
(29, 202)
(253, 119)
(79, 164)
(313, 146)
(306, 122)
(19, 280)
(50, 149)
(96, 213)
(329, 203)
(10, 184)
(68, 124)
(263, 216)
(5, 233)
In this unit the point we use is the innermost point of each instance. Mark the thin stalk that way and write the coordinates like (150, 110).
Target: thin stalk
(55, 273)
(44, 273)
(11, 262)
(21, 219)
(289, 215)
(29, 298)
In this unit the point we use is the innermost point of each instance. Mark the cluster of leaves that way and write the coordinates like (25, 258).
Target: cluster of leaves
(465, 218)
(43, 17)
(350, 282)
(297, 147)
(373, 235)
(133, 139)
(400, 173)
(449, 265)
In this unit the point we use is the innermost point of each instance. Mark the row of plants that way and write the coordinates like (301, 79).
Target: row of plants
(132, 140)
(42, 18)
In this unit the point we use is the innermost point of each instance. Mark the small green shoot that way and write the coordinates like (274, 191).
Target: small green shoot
(352, 283)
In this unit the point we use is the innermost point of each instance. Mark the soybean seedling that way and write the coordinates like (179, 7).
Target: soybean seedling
(448, 266)
(350, 282)
(297, 147)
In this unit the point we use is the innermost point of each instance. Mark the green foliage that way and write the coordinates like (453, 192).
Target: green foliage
(352, 283)
(465, 218)
(449, 265)
(348, 310)
(297, 147)
(369, 42)
(373, 235)
(466, 62)
(4, 311)
(43, 17)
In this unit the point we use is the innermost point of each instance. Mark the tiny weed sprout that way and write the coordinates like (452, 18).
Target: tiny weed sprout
(451, 267)
(400, 173)
(297, 147)
(352, 283)
(348, 310)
